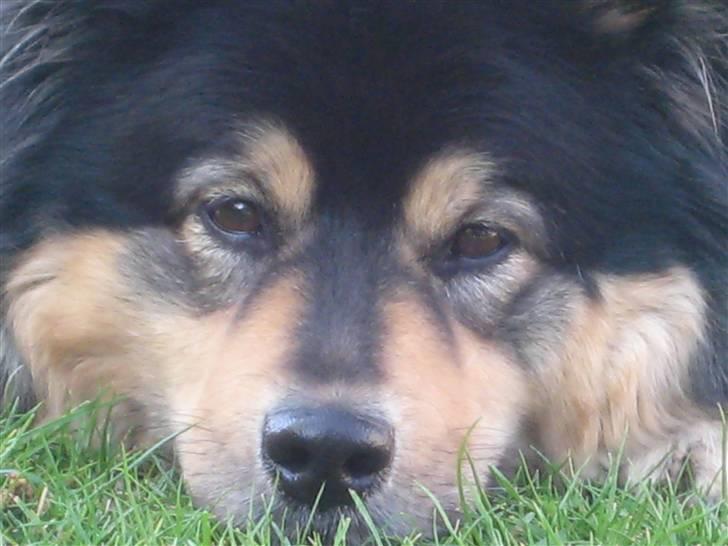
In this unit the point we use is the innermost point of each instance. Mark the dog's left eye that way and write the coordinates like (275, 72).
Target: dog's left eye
(473, 246)
(235, 217)
(477, 241)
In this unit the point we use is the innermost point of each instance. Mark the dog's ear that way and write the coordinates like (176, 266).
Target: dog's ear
(642, 29)
(653, 27)
(625, 19)
(621, 18)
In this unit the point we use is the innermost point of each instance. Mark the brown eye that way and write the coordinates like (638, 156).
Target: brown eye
(477, 241)
(235, 216)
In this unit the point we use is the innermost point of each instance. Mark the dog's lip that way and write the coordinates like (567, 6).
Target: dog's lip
(292, 518)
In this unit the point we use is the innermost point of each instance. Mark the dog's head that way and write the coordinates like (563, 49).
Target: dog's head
(324, 246)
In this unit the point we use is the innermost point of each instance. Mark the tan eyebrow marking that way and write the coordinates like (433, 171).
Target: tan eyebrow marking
(444, 190)
(271, 162)
(282, 167)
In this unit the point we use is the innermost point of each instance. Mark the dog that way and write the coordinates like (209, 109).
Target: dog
(332, 246)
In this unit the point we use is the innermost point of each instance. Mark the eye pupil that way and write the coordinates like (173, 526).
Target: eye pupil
(476, 241)
(236, 216)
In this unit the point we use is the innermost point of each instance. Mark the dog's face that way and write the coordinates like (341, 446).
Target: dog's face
(287, 336)
(327, 249)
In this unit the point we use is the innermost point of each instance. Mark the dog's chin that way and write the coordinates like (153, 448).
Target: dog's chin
(299, 524)
(288, 520)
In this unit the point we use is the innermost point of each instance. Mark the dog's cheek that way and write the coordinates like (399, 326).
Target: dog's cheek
(457, 401)
(77, 325)
(62, 313)
(621, 376)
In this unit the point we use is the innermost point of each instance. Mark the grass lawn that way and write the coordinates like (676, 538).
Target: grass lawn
(56, 490)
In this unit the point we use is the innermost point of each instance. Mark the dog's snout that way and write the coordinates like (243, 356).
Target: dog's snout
(310, 448)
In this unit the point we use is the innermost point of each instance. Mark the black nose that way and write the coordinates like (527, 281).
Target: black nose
(307, 448)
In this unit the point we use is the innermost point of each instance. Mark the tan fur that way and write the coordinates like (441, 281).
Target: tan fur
(617, 17)
(444, 191)
(444, 397)
(283, 168)
(66, 318)
(230, 375)
(215, 260)
(620, 378)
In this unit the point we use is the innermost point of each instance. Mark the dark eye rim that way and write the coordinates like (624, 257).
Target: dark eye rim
(236, 238)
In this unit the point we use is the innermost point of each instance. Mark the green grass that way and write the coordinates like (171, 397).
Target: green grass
(55, 489)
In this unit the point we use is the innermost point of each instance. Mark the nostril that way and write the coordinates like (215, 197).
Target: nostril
(366, 463)
(290, 456)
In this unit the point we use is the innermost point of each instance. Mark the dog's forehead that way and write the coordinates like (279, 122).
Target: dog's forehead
(371, 93)
(427, 192)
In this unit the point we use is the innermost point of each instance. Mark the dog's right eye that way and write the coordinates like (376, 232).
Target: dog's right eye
(235, 217)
